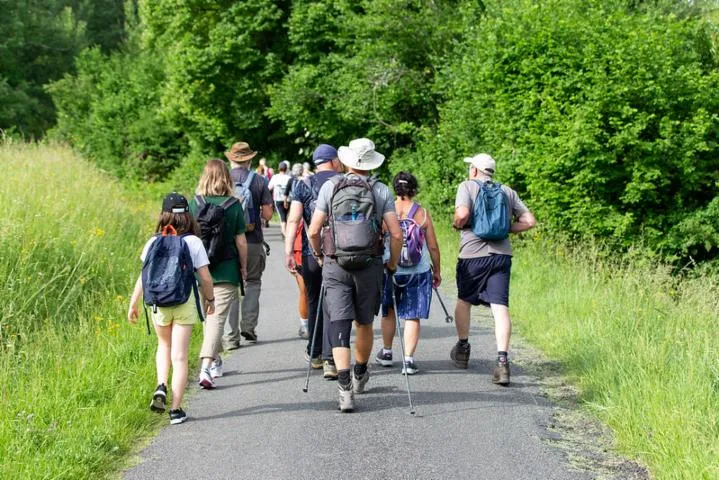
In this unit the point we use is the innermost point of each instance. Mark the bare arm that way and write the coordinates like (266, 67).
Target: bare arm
(207, 290)
(134, 299)
(241, 244)
(523, 223)
(293, 223)
(315, 229)
(267, 212)
(395, 239)
(461, 217)
(433, 247)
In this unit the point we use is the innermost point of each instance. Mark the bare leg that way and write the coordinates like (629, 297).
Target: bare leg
(180, 345)
(364, 336)
(411, 336)
(162, 358)
(502, 326)
(461, 318)
(303, 306)
(342, 357)
(388, 329)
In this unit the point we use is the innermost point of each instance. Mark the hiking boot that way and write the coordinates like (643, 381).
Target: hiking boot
(303, 332)
(216, 369)
(347, 398)
(205, 379)
(358, 383)
(500, 375)
(250, 336)
(329, 370)
(315, 362)
(409, 368)
(384, 359)
(460, 355)
(159, 398)
(177, 416)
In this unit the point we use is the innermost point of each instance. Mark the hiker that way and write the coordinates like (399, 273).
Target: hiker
(295, 176)
(222, 230)
(306, 170)
(485, 256)
(304, 196)
(277, 187)
(418, 271)
(263, 170)
(176, 237)
(353, 207)
(257, 201)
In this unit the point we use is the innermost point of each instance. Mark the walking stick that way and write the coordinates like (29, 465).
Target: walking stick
(401, 343)
(449, 318)
(314, 338)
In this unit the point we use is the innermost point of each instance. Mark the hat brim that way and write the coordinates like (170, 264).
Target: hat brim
(350, 159)
(242, 158)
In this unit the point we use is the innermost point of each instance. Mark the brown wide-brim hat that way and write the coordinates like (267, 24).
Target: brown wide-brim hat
(240, 152)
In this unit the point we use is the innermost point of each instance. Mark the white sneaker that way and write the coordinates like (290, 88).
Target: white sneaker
(205, 380)
(216, 369)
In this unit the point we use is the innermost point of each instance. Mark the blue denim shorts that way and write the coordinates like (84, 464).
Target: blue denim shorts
(414, 295)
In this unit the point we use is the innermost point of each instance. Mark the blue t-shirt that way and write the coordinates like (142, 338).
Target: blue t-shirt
(302, 193)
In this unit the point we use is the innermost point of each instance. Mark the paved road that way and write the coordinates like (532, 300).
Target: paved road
(259, 424)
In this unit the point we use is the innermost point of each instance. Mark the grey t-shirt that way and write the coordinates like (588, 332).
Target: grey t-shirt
(383, 197)
(470, 245)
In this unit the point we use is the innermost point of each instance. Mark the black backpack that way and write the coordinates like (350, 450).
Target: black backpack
(211, 219)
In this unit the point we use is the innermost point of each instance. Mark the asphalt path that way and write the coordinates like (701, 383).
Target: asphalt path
(258, 423)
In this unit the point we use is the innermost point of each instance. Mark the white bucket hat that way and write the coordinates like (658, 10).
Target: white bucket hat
(360, 155)
(483, 162)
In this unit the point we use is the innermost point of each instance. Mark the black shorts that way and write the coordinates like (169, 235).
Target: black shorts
(484, 280)
(280, 207)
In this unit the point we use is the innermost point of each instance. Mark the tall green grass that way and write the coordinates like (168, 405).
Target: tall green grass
(74, 375)
(641, 344)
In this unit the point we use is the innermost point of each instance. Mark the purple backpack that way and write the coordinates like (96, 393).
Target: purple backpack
(413, 242)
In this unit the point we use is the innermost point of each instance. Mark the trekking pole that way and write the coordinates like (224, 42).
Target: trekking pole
(314, 338)
(449, 318)
(401, 343)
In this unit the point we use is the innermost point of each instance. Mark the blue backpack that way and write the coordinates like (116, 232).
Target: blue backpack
(490, 212)
(244, 193)
(168, 275)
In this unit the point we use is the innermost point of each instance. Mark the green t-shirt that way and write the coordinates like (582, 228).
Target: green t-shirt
(226, 271)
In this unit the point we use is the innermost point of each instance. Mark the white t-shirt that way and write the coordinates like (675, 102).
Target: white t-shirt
(277, 185)
(197, 251)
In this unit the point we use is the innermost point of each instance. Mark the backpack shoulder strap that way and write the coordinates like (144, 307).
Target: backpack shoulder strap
(200, 200)
(413, 210)
(248, 180)
(229, 202)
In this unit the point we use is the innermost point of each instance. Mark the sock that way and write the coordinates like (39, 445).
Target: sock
(304, 322)
(502, 357)
(463, 341)
(360, 369)
(343, 377)
(387, 351)
(408, 359)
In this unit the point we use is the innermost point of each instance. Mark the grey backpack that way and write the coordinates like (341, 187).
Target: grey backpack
(354, 233)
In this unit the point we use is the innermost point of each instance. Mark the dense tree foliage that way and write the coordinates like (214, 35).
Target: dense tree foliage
(601, 113)
(38, 43)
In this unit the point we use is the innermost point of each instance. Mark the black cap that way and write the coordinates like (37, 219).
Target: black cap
(175, 203)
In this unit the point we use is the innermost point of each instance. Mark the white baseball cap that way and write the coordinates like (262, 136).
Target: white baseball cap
(483, 162)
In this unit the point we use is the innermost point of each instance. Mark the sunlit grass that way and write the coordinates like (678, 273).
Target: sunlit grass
(75, 378)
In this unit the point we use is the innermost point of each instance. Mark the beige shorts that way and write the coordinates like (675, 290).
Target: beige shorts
(185, 314)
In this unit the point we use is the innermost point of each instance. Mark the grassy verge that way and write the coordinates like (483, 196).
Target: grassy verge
(640, 344)
(74, 376)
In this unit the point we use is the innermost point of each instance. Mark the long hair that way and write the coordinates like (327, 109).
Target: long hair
(215, 180)
(181, 222)
(405, 185)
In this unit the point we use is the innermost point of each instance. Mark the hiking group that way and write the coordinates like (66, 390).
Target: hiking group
(354, 248)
